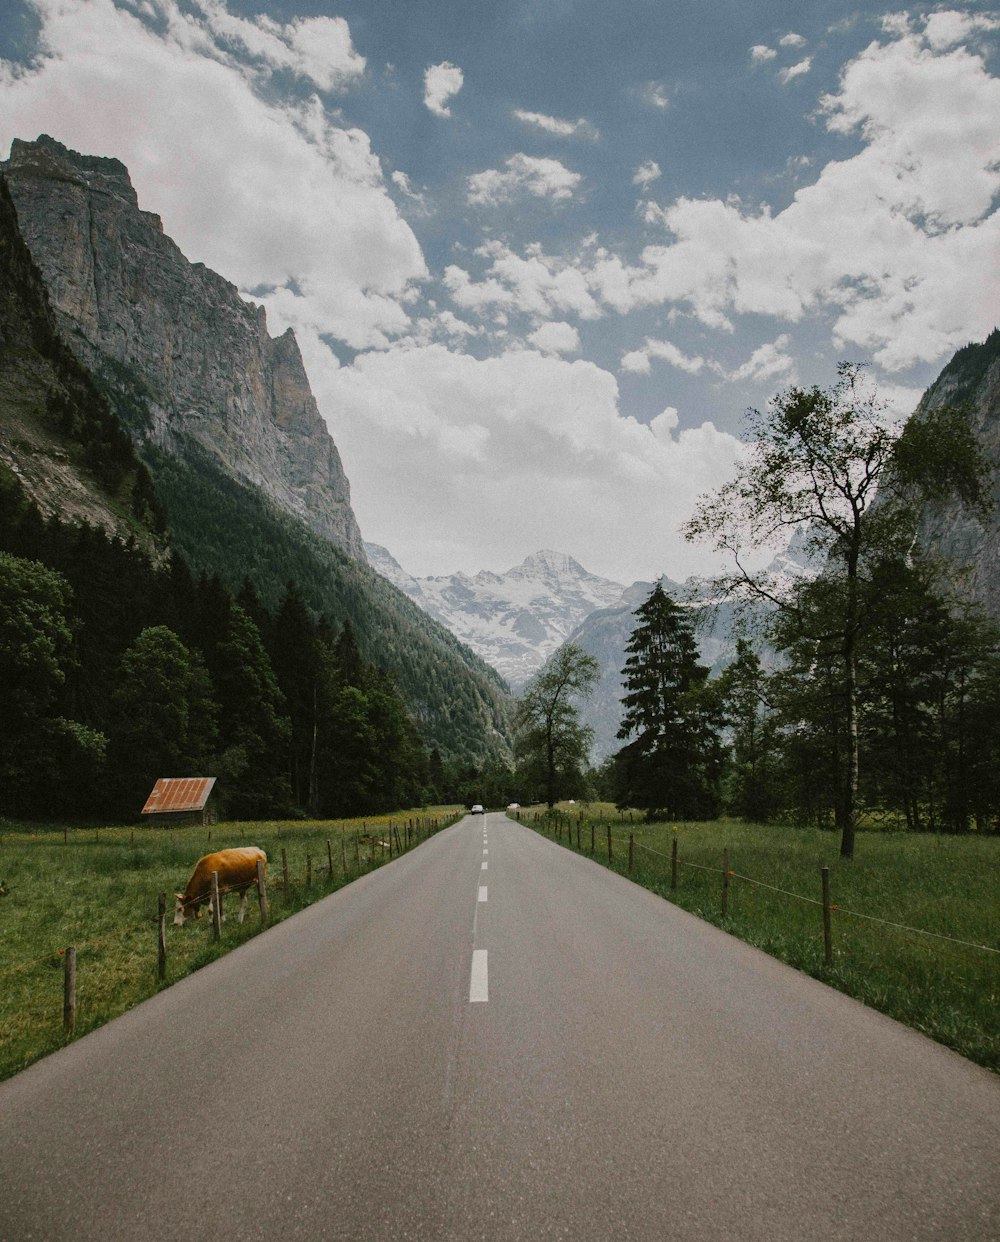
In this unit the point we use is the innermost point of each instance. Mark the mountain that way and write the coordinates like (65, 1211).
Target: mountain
(514, 620)
(105, 326)
(59, 438)
(183, 357)
(965, 542)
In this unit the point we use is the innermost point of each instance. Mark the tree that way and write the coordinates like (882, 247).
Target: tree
(550, 740)
(163, 715)
(743, 696)
(817, 459)
(674, 763)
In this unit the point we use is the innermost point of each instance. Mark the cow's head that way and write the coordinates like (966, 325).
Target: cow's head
(179, 910)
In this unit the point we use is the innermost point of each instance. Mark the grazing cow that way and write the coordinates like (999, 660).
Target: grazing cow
(237, 870)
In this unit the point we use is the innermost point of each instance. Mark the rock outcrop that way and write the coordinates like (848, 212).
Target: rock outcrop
(180, 353)
(966, 544)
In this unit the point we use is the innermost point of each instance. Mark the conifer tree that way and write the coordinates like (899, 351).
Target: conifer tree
(674, 763)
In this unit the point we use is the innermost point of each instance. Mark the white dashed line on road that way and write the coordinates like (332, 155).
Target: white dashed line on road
(482, 892)
(479, 985)
(483, 867)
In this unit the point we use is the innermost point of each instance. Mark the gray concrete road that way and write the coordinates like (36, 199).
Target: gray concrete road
(504, 1045)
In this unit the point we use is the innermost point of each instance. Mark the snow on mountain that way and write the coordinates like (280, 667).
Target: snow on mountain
(514, 620)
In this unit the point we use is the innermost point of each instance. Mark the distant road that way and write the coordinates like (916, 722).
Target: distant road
(505, 1045)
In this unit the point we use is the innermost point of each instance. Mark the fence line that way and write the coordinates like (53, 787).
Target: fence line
(870, 918)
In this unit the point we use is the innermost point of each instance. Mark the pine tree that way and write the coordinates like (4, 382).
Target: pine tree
(674, 764)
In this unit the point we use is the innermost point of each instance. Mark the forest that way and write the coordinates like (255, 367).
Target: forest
(119, 670)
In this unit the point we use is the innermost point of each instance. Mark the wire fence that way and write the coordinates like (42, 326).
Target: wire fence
(560, 824)
(296, 882)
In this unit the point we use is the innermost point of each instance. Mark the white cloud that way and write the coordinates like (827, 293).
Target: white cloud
(760, 53)
(901, 241)
(554, 125)
(538, 285)
(518, 447)
(271, 194)
(441, 83)
(317, 48)
(795, 71)
(525, 174)
(655, 95)
(556, 338)
(647, 172)
(638, 360)
(770, 362)
(945, 29)
(792, 40)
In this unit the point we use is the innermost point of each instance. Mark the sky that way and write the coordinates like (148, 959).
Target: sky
(542, 255)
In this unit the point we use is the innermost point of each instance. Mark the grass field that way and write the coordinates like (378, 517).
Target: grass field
(96, 889)
(943, 884)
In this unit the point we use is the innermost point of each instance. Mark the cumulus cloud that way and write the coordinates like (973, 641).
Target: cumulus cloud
(760, 53)
(273, 193)
(316, 48)
(441, 83)
(535, 284)
(792, 40)
(523, 174)
(795, 71)
(901, 241)
(556, 338)
(638, 360)
(579, 128)
(945, 29)
(647, 172)
(519, 446)
(770, 362)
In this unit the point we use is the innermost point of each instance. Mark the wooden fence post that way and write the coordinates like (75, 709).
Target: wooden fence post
(284, 873)
(579, 825)
(631, 851)
(591, 838)
(725, 883)
(262, 890)
(343, 853)
(673, 863)
(827, 927)
(610, 855)
(329, 859)
(216, 908)
(309, 870)
(357, 849)
(69, 989)
(161, 939)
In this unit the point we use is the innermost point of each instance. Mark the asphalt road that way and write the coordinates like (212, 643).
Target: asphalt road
(571, 1057)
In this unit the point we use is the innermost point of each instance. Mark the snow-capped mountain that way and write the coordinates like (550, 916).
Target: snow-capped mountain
(514, 620)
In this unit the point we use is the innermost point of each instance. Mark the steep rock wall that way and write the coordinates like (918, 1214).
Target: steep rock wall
(174, 342)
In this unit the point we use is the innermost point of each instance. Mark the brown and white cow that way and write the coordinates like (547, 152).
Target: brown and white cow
(237, 870)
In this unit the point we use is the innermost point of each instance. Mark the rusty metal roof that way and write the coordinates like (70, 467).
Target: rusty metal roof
(179, 793)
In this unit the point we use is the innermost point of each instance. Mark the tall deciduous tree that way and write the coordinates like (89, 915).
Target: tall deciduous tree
(817, 459)
(549, 736)
(674, 763)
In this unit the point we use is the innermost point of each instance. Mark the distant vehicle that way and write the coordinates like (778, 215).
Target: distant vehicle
(478, 810)
(513, 806)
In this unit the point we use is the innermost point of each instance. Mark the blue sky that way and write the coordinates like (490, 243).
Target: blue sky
(540, 257)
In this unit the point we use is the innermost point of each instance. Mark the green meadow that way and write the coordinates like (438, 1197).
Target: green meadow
(97, 888)
(898, 887)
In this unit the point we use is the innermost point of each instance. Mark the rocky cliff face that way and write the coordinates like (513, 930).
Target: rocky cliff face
(180, 352)
(967, 545)
(49, 407)
(514, 620)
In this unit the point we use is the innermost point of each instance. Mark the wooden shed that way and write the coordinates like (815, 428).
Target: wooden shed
(181, 800)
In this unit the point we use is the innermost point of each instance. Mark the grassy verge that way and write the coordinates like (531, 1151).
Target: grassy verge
(946, 885)
(97, 889)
